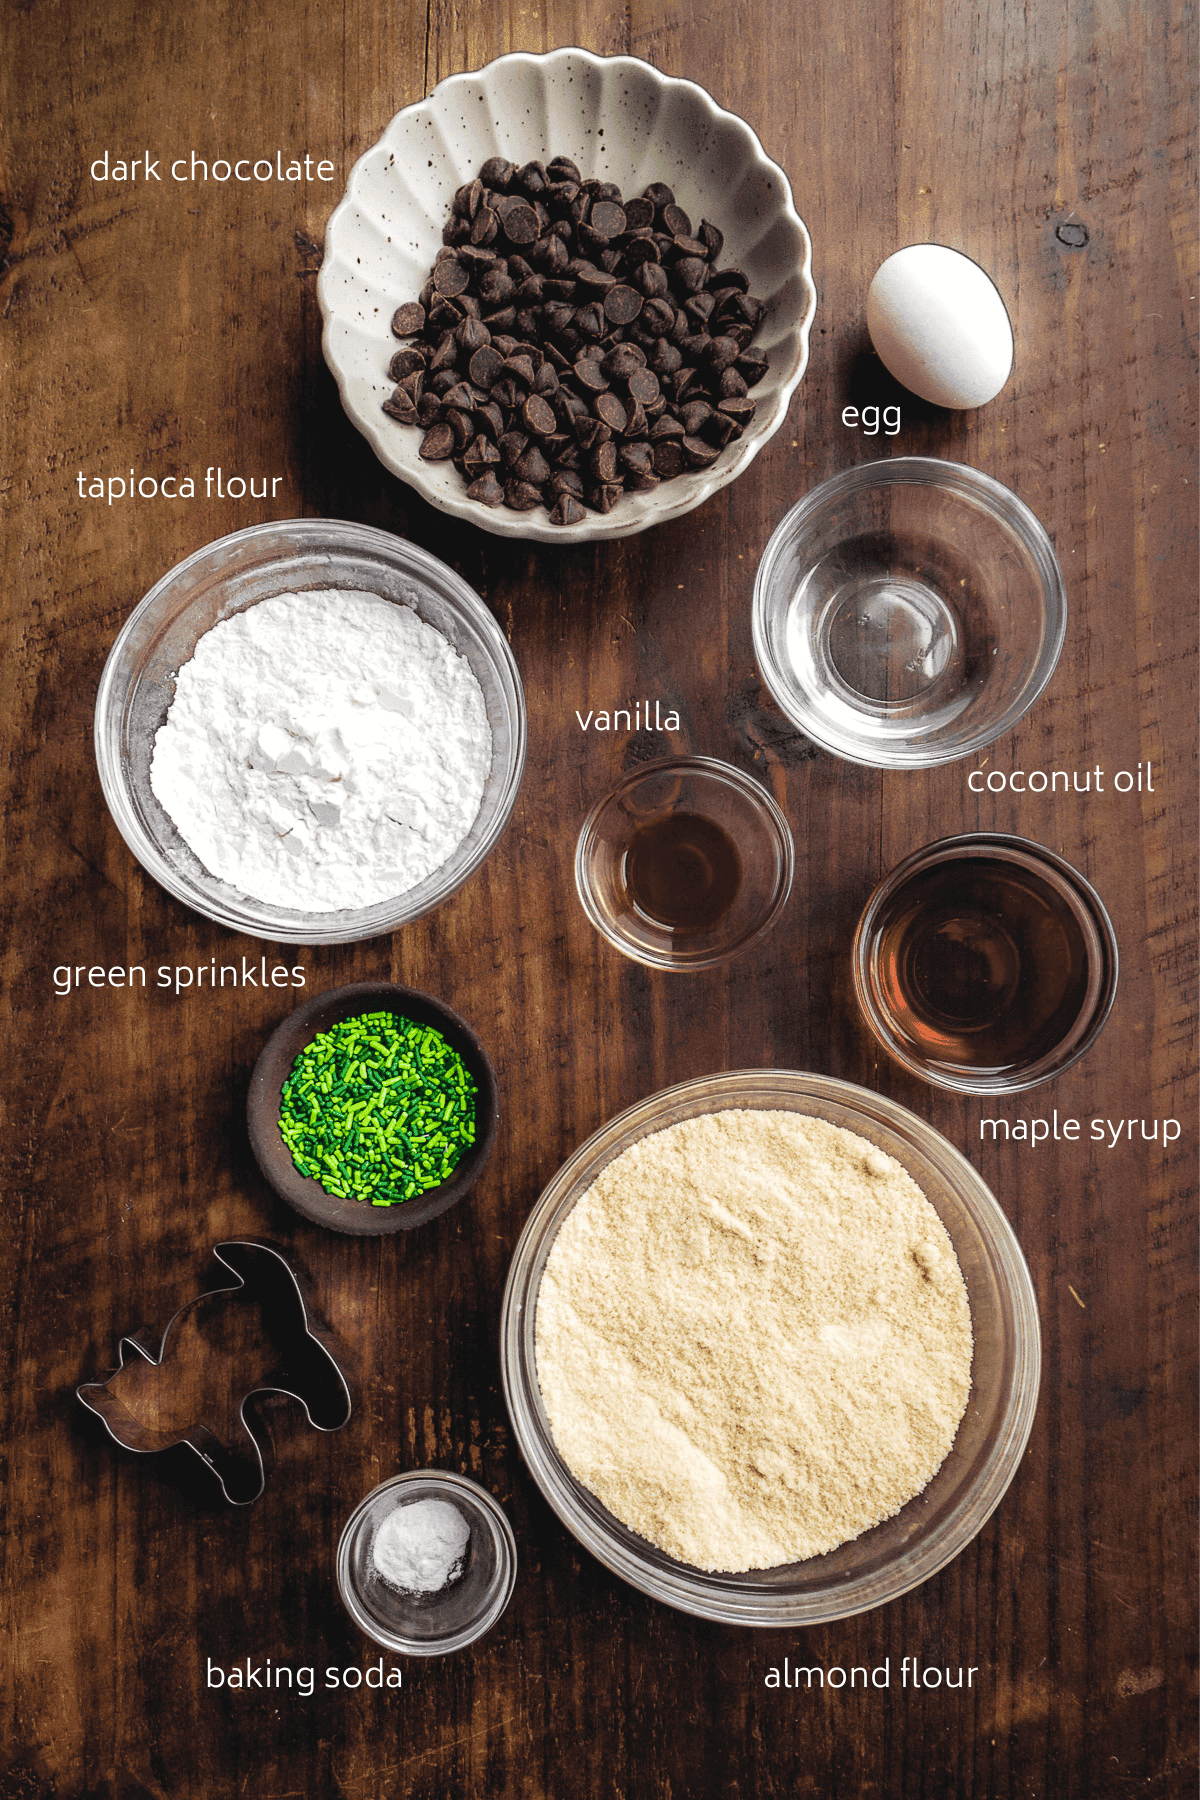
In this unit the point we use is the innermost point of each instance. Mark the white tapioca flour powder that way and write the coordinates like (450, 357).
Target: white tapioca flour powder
(753, 1338)
(323, 750)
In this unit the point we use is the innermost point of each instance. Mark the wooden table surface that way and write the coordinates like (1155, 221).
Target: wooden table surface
(170, 331)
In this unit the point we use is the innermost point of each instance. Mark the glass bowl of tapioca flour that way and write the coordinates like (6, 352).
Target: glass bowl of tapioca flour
(311, 731)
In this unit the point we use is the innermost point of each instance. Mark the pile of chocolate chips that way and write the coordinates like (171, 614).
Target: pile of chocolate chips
(571, 346)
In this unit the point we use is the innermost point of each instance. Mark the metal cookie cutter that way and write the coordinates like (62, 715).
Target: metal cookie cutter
(253, 1337)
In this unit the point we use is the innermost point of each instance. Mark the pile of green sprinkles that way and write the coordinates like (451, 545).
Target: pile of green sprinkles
(378, 1109)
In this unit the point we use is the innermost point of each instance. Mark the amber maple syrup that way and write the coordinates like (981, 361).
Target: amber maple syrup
(681, 871)
(981, 963)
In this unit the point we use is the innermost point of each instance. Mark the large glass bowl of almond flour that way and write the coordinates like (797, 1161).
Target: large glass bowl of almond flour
(887, 1559)
(296, 556)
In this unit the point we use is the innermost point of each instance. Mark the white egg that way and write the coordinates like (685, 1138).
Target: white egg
(940, 326)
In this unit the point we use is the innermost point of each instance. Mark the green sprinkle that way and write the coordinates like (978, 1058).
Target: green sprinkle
(378, 1109)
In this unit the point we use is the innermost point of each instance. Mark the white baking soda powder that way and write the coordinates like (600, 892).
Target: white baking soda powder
(323, 750)
(419, 1548)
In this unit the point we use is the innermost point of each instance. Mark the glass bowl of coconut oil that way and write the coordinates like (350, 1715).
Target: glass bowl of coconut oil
(908, 612)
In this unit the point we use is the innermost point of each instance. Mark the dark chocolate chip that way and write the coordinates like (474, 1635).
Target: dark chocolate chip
(532, 467)
(472, 335)
(622, 305)
(537, 415)
(713, 240)
(485, 228)
(643, 385)
(518, 220)
(591, 432)
(480, 454)
(487, 490)
(450, 277)
(512, 446)
(659, 194)
(740, 411)
(437, 445)
(566, 481)
(406, 362)
(698, 453)
(566, 511)
(721, 353)
(608, 408)
(603, 497)
(408, 319)
(402, 406)
(603, 462)
(676, 221)
(532, 177)
(719, 428)
(658, 317)
(485, 366)
(497, 172)
(589, 320)
(489, 418)
(521, 496)
(607, 219)
(589, 373)
(639, 214)
(691, 273)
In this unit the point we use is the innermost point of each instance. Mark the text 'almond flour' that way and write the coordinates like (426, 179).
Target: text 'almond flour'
(753, 1339)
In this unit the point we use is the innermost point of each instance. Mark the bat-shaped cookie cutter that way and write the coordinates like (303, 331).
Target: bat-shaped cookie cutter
(308, 1370)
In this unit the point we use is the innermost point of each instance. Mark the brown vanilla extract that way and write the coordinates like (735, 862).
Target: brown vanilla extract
(980, 963)
(681, 871)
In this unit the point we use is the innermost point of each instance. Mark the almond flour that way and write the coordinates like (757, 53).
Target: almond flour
(753, 1339)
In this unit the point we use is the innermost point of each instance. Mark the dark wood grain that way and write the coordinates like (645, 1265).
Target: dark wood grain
(172, 332)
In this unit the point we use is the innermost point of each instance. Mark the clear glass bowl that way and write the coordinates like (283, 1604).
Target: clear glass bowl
(932, 1528)
(985, 964)
(223, 578)
(452, 1617)
(908, 612)
(726, 841)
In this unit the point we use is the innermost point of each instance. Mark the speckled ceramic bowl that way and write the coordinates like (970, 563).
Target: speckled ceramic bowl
(618, 119)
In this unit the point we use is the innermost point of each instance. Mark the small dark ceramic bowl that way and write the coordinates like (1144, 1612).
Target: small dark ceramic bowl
(282, 1048)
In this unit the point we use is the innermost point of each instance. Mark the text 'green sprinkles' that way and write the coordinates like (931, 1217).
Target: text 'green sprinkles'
(378, 1109)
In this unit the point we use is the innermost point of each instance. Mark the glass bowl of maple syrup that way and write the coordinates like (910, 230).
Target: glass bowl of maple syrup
(985, 964)
(685, 863)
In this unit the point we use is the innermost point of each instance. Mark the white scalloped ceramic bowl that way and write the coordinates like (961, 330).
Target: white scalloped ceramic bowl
(620, 120)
